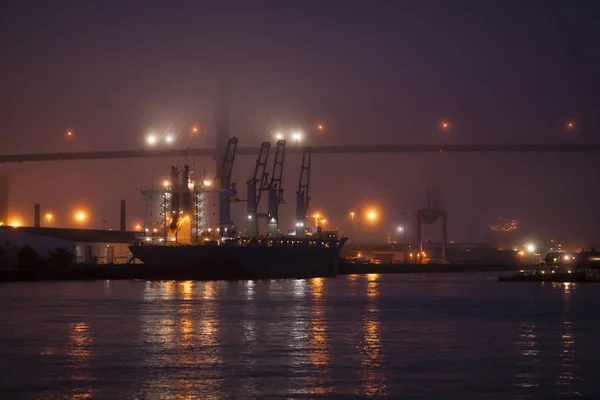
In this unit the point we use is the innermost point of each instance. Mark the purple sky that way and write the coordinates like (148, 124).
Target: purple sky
(374, 72)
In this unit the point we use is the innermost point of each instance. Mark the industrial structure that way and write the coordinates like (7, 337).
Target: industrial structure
(429, 215)
(185, 209)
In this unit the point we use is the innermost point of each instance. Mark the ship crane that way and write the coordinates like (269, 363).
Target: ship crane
(227, 191)
(255, 187)
(275, 190)
(302, 198)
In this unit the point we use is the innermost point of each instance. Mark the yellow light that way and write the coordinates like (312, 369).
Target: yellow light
(207, 183)
(15, 224)
(372, 215)
(352, 214)
(49, 216)
(166, 183)
(80, 216)
(195, 130)
(69, 133)
(138, 227)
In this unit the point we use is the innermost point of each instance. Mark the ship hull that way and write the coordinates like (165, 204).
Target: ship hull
(239, 262)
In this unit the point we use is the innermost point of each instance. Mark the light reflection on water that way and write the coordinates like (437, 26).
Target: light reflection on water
(366, 335)
(371, 347)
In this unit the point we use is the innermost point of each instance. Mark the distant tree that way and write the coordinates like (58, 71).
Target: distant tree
(28, 257)
(60, 258)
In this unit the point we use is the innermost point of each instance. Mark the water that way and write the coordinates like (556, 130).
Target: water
(437, 336)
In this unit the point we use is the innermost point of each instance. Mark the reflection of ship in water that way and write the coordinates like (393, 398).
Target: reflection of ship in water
(173, 327)
(373, 380)
(318, 344)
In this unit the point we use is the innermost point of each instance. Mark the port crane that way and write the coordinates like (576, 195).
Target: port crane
(227, 190)
(302, 198)
(275, 190)
(255, 187)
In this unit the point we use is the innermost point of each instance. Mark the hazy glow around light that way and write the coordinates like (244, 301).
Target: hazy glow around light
(169, 139)
(80, 216)
(151, 140)
(279, 136)
(530, 248)
(297, 136)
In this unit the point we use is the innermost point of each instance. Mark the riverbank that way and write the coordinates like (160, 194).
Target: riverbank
(140, 271)
(347, 269)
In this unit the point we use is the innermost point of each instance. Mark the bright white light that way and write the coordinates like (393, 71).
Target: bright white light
(279, 136)
(151, 140)
(207, 183)
(249, 216)
(530, 248)
(297, 136)
(169, 139)
(400, 229)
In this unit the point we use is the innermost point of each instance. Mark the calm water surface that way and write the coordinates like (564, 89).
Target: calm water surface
(437, 336)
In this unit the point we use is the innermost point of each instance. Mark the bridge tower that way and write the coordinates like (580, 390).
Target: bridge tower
(222, 126)
(428, 215)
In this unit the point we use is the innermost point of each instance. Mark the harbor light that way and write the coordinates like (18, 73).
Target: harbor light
(279, 136)
(530, 248)
(207, 182)
(297, 136)
(372, 215)
(400, 229)
(151, 140)
(169, 139)
(166, 183)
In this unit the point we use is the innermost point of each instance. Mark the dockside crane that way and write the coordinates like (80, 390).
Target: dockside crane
(227, 191)
(302, 198)
(275, 190)
(255, 187)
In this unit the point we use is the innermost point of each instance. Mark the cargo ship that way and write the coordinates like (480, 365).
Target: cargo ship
(273, 258)
(188, 233)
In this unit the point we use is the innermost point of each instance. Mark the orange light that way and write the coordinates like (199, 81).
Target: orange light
(320, 127)
(80, 216)
(138, 227)
(69, 133)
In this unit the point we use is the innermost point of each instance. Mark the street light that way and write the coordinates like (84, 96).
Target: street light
(297, 136)
(49, 218)
(169, 139)
(279, 136)
(80, 216)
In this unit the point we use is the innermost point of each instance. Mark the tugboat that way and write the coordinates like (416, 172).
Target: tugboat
(562, 267)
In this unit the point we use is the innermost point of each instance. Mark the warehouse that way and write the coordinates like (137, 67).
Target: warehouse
(87, 245)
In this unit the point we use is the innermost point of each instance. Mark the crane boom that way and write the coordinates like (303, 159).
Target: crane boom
(255, 188)
(275, 189)
(227, 190)
(302, 197)
(227, 163)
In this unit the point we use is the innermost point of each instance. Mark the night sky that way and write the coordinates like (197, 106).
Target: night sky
(377, 72)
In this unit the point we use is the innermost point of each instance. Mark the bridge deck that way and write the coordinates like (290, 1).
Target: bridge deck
(453, 148)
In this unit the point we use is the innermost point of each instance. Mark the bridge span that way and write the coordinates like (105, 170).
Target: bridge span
(295, 148)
